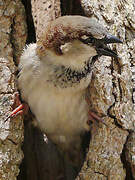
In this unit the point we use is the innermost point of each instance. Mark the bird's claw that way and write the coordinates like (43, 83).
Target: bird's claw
(94, 117)
(18, 107)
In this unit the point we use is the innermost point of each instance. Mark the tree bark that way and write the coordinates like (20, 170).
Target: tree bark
(12, 41)
(43, 12)
(111, 152)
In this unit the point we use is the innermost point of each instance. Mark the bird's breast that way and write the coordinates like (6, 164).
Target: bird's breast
(61, 114)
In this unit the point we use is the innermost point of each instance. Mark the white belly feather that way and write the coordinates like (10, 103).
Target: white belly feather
(60, 112)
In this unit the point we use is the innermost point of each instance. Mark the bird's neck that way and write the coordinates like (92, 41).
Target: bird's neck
(64, 76)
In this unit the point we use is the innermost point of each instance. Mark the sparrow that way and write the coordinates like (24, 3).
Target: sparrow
(54, 75)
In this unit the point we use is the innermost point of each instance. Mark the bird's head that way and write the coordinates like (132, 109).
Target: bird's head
(73, 42)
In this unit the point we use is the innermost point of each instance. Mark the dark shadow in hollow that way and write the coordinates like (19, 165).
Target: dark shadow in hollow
(42, 160)
(126, 164)
(71, 7)
(30, 24)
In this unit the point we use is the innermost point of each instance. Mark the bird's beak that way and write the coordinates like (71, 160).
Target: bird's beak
(111, 39)
(101, 45)
(103, 49)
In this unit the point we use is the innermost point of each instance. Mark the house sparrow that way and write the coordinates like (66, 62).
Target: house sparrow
(54, 76)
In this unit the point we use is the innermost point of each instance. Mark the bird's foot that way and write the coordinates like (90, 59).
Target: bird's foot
(18, 107)
(93, 117)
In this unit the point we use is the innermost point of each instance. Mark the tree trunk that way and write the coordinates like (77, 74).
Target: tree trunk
(111, 153)
(12, 41)
(112, 148)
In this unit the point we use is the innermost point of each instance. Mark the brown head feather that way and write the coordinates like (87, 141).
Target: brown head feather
(68, 28)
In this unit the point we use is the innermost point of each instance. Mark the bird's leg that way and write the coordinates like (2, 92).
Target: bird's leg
(18, 107)
(93, 117)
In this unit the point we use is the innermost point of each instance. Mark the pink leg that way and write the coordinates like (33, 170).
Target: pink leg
(18, 107)
(93, 116)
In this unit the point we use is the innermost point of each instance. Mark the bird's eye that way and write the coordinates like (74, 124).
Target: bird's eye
(87, 40)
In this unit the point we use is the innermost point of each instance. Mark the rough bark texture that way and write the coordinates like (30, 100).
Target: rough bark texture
(43, 12)
(12, 40)
(111, 153)
(111, 150)
(112, 96)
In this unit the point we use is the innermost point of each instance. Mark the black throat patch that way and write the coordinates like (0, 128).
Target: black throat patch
(65, 77)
